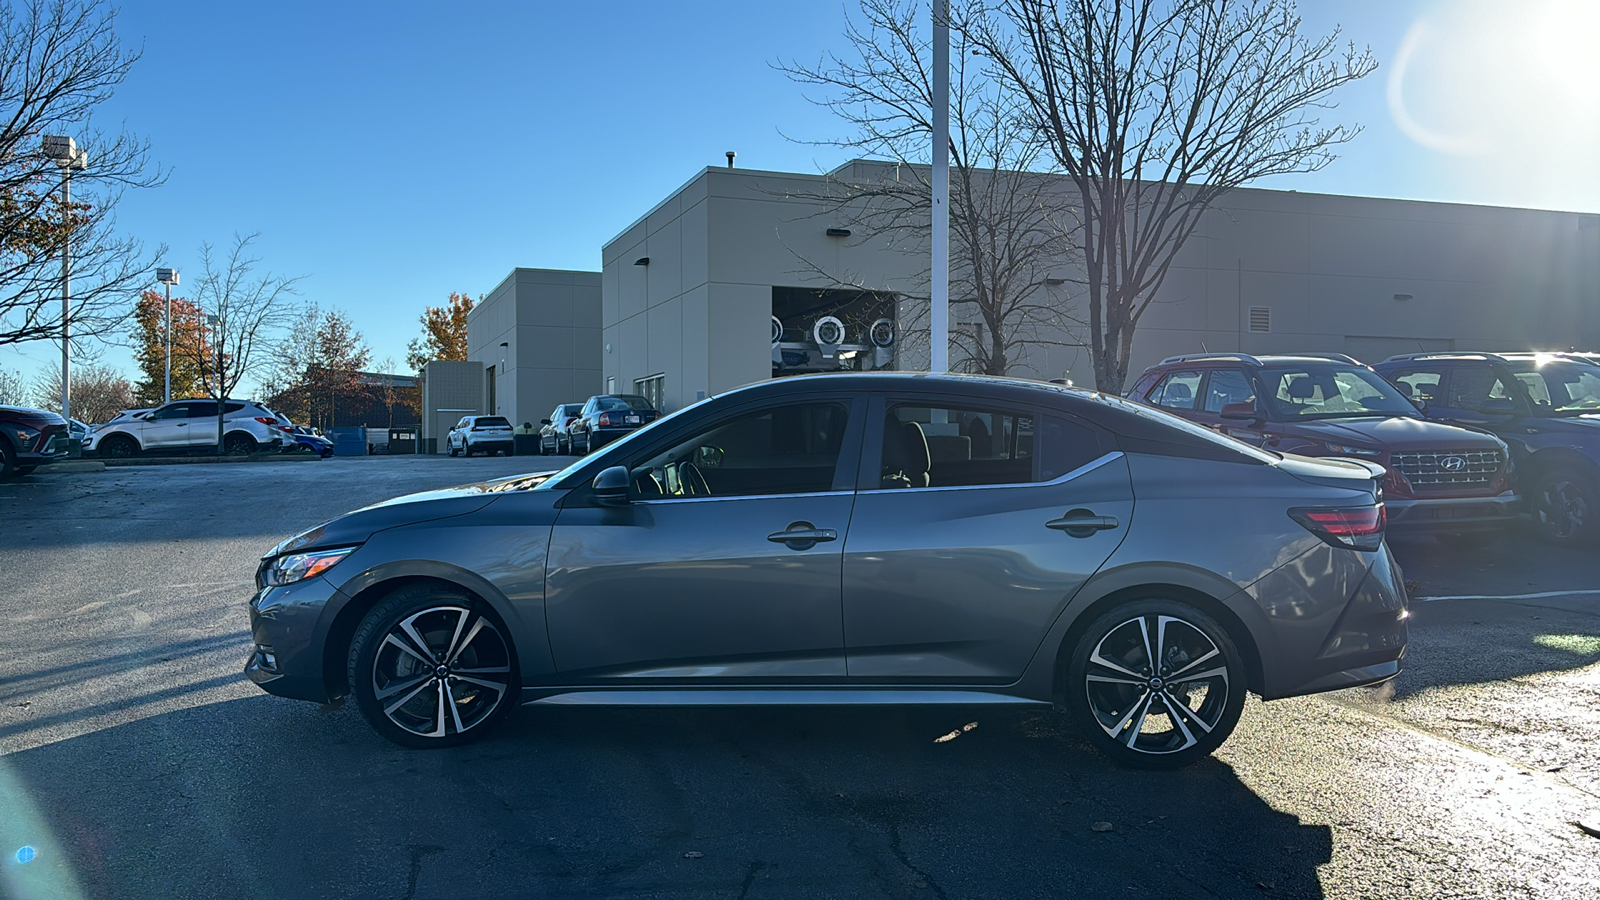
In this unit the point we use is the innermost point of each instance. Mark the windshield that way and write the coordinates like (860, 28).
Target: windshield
(1331, 392)
(1560, 387)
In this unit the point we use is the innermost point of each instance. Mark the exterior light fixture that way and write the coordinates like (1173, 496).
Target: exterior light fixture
(642, 261)
(838, 232)
(1402, 296)
(168, 277)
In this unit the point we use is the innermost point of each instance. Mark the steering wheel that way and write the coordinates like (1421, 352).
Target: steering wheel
(693, 483)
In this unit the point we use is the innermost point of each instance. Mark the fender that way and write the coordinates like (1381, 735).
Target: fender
(1039, 679)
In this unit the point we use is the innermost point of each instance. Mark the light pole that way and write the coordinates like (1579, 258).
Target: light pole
(66, 153)
(168, 277)
(939, 359)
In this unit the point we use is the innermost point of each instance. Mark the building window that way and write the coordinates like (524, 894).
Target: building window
(653, 389)
(611, 384)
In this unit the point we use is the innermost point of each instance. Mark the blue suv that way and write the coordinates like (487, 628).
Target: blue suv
(1545, 406)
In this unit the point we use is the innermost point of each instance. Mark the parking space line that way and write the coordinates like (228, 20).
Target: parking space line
(1538, 596)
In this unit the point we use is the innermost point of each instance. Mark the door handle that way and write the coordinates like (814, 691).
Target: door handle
(1082, 523)
(803, 536)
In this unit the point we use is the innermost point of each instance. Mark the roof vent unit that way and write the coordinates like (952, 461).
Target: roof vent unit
(1260, 319)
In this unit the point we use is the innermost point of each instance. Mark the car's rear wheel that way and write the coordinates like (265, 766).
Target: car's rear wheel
(119, 446)
(239, 444)
(1155, 684)
(432, 667)
(1565, 507)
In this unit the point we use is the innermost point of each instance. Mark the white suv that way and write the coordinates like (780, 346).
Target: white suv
(187, 425)
(480, 434)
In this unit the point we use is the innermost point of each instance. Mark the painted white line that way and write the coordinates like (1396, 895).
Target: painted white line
(1539, 596)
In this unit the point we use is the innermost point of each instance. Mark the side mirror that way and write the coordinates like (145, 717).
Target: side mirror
(611, 486)
(1245, 411)
(544, 421)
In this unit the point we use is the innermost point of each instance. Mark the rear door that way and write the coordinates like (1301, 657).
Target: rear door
(974, 524)
(202, 424)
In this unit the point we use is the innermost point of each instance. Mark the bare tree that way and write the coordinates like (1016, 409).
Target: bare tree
(1008, 228)
(247, 316)
(13, 389)
(1154, 109)
(59, 61)
(99, 392)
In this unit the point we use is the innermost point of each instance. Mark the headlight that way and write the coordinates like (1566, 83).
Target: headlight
(25, 435)
(1347, 450)
(294, 567)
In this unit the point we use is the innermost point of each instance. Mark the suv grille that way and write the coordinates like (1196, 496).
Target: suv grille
(1440, 470)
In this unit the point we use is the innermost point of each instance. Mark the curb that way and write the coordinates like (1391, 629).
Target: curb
(71, 467)
(206, 460)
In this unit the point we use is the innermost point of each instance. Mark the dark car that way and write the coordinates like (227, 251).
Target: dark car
(1545, 406)
(29, 438)
(606, 417)
(555, 432)
(1440, 479)
(856, 539)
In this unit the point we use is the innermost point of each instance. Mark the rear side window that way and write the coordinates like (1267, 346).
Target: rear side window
(1470, 386)
(1177, 391)
(1065, 445)
(953, 447)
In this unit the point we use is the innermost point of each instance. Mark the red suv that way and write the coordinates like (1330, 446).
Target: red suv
(1439, 478)
(30, 438)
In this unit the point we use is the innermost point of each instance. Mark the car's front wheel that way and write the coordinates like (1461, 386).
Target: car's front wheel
(1155, 684)
(431, 667)
(1565, 505)
(119, 446)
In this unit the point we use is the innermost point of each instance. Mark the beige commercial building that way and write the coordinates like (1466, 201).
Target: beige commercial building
(691, 290)
(537, 338)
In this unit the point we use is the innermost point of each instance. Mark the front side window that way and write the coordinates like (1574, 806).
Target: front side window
(1559, 387)
(1471, 387)
(1420, 384)
(1177, 390)
(926, 446)
(180, 411)
(1328, 392)
(781, 450)
(1228, 386)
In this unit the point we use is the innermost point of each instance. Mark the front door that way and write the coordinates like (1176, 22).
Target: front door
(726, 563)
(167, 427)
(979, 524)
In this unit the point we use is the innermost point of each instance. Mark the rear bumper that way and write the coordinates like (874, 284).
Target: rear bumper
(1453, 514)
(478, 444)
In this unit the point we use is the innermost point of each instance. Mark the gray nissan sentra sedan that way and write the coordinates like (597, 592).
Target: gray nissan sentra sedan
(856, 538)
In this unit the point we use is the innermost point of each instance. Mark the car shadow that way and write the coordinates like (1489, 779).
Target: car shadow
(265, 797)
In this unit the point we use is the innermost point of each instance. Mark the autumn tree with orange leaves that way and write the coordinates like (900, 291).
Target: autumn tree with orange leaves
(150, 349)
(444, 333)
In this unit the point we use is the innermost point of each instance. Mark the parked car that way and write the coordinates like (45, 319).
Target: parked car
(555, 432)
(1440, 479)
(184, 425)
(304, 441)
(480, 434)
(1545, 406)
(856, 539)
(29, 438)
(606, 417)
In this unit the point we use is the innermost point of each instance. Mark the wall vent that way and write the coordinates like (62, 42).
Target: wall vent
(1260, 319)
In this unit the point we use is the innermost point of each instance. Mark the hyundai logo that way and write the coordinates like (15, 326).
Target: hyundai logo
(1452, 463)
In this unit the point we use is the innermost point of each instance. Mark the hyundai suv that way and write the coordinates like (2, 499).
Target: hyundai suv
(1545, 406)
(29, 438)
(185, 425)
(1439, 479)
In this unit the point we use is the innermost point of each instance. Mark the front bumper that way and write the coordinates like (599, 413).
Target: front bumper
(288, 626)
(1453, 514)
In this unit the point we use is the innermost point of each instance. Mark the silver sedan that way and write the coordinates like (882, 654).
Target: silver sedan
(856, 539)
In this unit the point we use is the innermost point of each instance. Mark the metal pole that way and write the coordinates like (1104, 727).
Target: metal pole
(166, 394)
(939, 360)
(66, 294)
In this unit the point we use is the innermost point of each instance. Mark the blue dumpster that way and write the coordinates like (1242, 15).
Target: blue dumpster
(348, 441)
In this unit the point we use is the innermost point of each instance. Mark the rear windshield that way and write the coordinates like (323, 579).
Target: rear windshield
(493, 422)
(571, 409)
(627, 401)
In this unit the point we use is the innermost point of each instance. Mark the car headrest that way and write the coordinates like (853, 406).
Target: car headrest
(1302, 389)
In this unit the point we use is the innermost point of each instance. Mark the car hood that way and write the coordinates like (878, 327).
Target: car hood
(1393, 433)
(357, 526)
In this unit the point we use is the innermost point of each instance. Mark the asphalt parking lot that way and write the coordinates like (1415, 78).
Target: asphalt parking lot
(136, 761)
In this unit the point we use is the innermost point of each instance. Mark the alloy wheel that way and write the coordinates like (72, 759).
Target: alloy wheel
(441, 672)
(1562, 507)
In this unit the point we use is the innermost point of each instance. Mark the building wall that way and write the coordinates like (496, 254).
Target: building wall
(550, 321)
(450, 390)
(1328, 269)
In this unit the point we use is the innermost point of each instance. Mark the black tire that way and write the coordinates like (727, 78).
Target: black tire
(1565, 507)
(19, 471)
(118, 446)
(404, 697)
(8, 461)
(1113, 696)
(449, 448)
(238, 444)
(562, 449)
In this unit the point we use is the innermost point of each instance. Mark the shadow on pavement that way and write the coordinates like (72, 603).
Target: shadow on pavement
(270, 798)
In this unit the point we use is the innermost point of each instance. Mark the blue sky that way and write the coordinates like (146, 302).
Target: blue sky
(393, 152)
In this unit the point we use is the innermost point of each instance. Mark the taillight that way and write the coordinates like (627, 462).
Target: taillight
(266, 421)
(1350, 527)
(605, 419)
